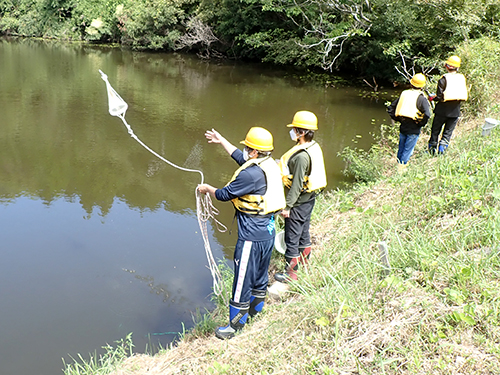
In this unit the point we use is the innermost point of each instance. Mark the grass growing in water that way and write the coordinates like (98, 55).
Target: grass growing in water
(101, 364)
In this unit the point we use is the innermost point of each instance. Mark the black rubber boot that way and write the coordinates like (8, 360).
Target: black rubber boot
(432, 149)
(256, 302)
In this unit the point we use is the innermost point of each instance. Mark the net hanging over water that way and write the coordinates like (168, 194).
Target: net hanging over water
(205, 210)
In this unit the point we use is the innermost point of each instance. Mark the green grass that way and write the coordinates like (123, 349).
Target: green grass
(441, 223)
(435, 310)
(101, 364)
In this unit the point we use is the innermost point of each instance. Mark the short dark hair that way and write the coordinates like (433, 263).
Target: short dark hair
(308, 134)
(260, 154)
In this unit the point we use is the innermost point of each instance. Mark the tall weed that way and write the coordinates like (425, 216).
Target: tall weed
(101, 364)
(481, 66)
(368, 166)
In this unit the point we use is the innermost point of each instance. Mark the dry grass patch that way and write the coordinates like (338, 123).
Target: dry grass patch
(394, 338)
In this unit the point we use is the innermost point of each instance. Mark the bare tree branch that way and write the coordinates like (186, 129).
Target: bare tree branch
(322, 29)
(197, 33)
(409, 73)
(374, 86)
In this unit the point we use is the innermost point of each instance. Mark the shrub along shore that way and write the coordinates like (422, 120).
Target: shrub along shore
(434, 308)
(364, 37)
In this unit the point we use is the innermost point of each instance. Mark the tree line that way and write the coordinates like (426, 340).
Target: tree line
(366, 37)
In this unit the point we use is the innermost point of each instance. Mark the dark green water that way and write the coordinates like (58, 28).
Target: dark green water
(100, 237)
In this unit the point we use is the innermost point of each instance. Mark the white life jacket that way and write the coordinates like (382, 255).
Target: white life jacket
(274, 198)
(407, 105)
(316, 180)
(456, 87)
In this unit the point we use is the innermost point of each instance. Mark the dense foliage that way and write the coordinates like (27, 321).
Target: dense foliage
(368, 37)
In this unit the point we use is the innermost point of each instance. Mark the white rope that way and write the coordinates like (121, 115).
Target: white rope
(205, 210)
(131, 132)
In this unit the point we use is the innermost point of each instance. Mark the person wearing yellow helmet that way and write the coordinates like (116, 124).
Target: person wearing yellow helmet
(256, 191)
(304, 176)
(451, 91)
(412, 111)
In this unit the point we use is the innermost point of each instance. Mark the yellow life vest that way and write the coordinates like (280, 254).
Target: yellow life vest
(456, 87)
(407, 105)
(316, 180)
(274, 198)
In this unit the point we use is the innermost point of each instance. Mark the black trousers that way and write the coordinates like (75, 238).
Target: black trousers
(437, 125)
(297, 229)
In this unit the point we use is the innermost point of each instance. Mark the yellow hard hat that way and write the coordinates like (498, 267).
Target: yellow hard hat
(304, 120)
(259, 139)
(418, 80)
(454, 61)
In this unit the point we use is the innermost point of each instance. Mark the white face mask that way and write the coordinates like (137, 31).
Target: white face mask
(245, 154)
(293, 135)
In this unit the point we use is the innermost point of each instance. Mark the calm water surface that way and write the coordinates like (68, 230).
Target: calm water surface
(99, 238)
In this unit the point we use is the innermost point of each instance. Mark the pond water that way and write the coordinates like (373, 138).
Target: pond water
(99, 238)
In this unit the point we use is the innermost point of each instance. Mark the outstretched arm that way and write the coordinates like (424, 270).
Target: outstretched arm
(214, 136)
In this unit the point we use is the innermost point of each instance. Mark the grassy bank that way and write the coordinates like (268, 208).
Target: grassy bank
(436, 312)
(432, 308)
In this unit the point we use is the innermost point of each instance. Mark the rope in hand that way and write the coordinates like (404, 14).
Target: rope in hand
(205, 210)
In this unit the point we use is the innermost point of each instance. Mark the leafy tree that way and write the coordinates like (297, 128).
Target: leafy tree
(367, 37)
(153, 24)
(245, 27)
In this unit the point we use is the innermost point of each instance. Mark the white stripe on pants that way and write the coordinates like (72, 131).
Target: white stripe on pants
(245, 254)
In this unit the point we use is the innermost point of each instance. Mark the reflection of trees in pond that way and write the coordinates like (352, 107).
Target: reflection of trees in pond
(58, 139)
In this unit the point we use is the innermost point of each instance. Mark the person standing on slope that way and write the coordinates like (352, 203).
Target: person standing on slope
(451, 92)
(256, 192)
(412, 110)
(304, 176)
